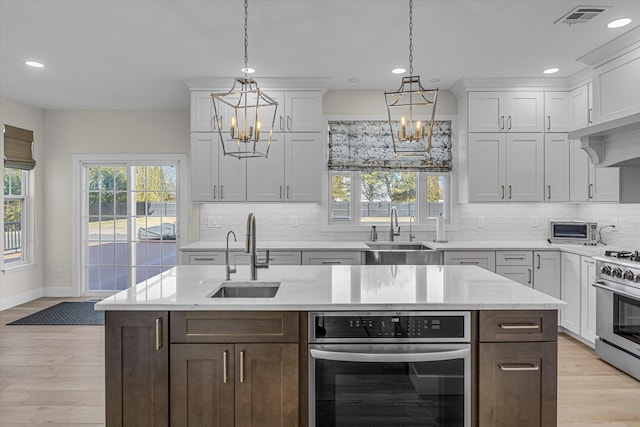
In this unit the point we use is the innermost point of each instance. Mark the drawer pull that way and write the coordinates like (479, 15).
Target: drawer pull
(470, 262)
(225, 366)
(331, 262)
(203, 259)
(518, 367)
(511, 258)
(158, 333)
(242, 367)
(518, 326)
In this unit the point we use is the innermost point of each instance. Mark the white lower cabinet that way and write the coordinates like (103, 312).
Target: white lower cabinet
(570, 292)
(515, 265)
(588, 300)
(202, 258)
(546, 272)
(332, 257)
(275, 257)
(484, 259)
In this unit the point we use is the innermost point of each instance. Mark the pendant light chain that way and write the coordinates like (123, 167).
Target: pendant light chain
(411, 37)
(246, 36)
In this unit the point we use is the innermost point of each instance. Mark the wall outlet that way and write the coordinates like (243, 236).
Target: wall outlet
(59, 273)
(480, 222)
(214, 222)
(294, 220)
(614, 221)
(534, 222)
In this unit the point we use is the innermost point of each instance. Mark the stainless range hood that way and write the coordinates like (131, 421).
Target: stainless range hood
(615, 143)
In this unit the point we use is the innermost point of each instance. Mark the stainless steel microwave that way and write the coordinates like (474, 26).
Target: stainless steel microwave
(573, 232)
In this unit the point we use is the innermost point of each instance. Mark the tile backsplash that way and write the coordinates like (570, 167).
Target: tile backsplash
(473, 221)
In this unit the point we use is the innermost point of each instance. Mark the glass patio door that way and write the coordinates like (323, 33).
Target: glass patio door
(129, 221)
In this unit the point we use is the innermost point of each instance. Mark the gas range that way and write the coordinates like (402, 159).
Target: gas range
(621, 267)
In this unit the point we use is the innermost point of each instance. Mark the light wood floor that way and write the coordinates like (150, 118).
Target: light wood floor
(54, 375)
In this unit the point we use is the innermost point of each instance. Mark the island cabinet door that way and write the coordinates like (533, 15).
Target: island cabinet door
(202, 385)
(517, 384)
(136, 368)
(266, 385)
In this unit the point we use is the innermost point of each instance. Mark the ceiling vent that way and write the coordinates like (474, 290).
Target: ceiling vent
(581, 14)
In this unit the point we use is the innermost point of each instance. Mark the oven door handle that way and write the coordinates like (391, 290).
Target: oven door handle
(342, 356)
(615, 291)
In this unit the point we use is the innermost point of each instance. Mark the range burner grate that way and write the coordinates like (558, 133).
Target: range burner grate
(631, 256)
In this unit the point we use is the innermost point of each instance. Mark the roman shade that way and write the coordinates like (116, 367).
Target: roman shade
(18, 148)
(365, 145)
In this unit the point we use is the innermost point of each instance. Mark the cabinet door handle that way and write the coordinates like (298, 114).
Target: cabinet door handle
(221, 192)
(549, 124)
(288, 192)
(281, 123)
(242, 367)
(539, 262)
(158, 333)
(530, 275)
(514, 326)
(502, 190)
(589, 115)
(518, 367)
(549, 191)
(509, 192)
(289, 122)
(501, 121)
(215, 187)
(280, 196)
(225, 367)
(591, 191)
(509, 123)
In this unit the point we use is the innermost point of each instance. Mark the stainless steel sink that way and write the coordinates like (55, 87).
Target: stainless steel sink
(401, 253)
(398, 246)
(246, 290)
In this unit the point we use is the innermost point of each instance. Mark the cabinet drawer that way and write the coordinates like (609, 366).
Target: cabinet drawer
(275, 258)
(484, 259)
(200, 258)
(506, 325)
(332, 258)
(248, 326)
(522, 274)
(514, 258)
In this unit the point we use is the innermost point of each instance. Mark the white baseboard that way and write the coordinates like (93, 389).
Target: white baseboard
(59, 291)
(22, 298)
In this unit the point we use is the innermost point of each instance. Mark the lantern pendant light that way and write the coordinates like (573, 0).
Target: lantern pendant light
(409, 108)
(240, 112)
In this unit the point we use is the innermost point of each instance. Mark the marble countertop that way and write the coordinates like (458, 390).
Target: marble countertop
(338, 287)
(333, 245)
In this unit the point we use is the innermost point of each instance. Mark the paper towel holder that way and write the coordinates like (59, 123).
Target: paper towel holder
(440, 231)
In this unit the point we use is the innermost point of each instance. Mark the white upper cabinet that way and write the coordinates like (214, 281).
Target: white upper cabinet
(505, 167)
(556, 112)
(556, 167)
(298, 111)
(265, 178)
(615, 87)
(580, 107)
(588, 183)
(214, 177)
(202, 113)
(505, 112)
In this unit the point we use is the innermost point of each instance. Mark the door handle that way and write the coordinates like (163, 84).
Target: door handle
(549, 124)
(158, 333)
(509, 123)
(502, 189)
(530, 275)
(538, 261)
(289, 122)
(389, 357)
(590, 191)
(288, 192)
(221, 192)
(549, 191)
(589, 115)
(281, 123)
(242, 367)
(280, 196)
(509, 192)
(225, 363)
(501, 122)
(515, 326)
(215, 187)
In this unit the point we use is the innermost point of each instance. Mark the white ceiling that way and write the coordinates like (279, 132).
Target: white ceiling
(133, 54)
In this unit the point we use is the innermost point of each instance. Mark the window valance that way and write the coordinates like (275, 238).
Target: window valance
(365, 145)
(18, 148)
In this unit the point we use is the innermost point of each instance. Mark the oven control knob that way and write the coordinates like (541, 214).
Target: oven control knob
(628, 275)
(617, 272)
(638, 278)
(606, 270)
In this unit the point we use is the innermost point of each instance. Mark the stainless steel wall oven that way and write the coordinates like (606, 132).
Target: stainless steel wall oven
(389, 369)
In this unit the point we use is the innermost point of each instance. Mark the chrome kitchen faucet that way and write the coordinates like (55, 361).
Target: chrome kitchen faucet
(394, 212)
(250, 248)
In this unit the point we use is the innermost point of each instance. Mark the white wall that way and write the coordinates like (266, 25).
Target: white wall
(95, 132)
(25, 283)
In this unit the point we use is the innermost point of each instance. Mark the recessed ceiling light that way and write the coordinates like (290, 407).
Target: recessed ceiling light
(399, 70)
(34, 64)
(434, 80)
(619, 23)
(353, 80)
(248, 70)
(551, 70)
